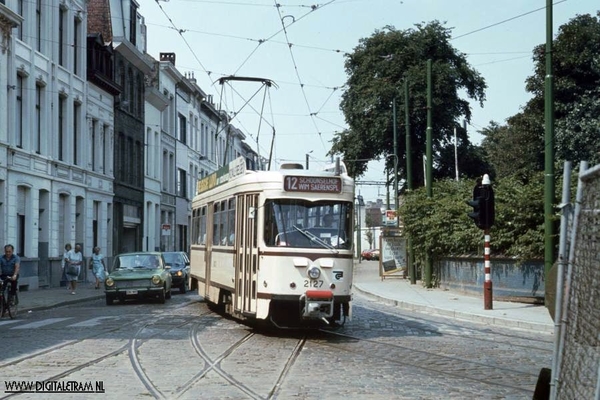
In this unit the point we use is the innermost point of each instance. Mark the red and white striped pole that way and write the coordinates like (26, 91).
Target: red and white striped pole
(487, 284)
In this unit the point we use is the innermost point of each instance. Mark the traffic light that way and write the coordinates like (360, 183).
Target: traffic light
(483, 204)
(476, 203)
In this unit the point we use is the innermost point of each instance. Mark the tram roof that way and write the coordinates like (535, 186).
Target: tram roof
(325, 182)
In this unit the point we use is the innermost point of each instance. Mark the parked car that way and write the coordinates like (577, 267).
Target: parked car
(180, 268)
(138, 275)
(371, 254)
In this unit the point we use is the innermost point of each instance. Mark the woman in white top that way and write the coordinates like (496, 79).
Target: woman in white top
(97, 266)
(74, 267)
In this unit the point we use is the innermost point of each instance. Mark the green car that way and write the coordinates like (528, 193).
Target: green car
(138, 275)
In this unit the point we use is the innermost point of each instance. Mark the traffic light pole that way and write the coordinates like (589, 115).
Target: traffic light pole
(484, 215)
(487, 284)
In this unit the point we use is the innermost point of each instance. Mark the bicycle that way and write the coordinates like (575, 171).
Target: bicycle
(8, 303)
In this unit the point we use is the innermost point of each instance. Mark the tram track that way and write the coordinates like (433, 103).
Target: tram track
(130, 347)
(444, 327)
(431, 362)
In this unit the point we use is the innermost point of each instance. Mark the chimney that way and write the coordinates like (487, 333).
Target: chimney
(168, 57)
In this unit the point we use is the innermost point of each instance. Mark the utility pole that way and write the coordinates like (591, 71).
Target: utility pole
(411, 259)
(359, 202)
(395, 161)
(429, 173)
(549, 148)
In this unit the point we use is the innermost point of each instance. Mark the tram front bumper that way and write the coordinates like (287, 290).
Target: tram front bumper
(317, 304)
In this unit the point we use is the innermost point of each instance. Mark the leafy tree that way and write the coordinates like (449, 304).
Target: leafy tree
(577, 134)
(370, 238)
(376, 71)
(517, 148)
(440, 224)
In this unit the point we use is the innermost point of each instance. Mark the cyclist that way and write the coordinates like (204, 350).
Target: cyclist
(10, 264)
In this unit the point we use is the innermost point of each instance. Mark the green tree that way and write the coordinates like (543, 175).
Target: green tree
(517, 148)
(376, 71)
(440, 224)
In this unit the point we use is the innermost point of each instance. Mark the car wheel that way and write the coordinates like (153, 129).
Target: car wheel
(109, 300)
(182, 288)
(169, 294)
(162, 296)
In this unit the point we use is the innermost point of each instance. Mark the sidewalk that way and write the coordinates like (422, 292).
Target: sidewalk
(399, 292)
(367, 282)
(42, 299)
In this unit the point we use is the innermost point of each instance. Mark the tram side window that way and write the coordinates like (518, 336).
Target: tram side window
(230, 232)
(216, 223)
(271, 229)
(195, 226)
(202, 226)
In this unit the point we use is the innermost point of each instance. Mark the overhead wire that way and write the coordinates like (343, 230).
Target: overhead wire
(290, 45)
(297, 72)
(180, 32)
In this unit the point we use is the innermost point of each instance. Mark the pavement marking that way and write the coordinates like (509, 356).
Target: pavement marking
(41, 323)
(9, 321)
(90, 322)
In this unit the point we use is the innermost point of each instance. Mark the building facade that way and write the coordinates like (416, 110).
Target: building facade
(100, 144)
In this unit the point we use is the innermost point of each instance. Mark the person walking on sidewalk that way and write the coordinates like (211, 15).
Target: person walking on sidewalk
(74, 267)
(97, 266)
(65, 262)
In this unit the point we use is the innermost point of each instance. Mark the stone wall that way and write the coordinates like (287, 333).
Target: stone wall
(510, 280)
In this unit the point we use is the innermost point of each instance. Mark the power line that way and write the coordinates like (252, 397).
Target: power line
(504, 21)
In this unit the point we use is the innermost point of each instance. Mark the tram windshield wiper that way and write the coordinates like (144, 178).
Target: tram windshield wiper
(315, 239)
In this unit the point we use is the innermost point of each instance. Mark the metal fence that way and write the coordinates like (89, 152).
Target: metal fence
(577, 358)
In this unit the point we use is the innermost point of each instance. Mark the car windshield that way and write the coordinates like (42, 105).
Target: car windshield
(173, 258)
(131, 261)
(306, 224)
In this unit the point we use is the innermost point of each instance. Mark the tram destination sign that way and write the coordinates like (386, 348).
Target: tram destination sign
(315, 184)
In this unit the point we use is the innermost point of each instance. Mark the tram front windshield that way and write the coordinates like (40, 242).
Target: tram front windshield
(307, 224)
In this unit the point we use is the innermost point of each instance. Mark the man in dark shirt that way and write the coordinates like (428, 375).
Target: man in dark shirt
(10, 264)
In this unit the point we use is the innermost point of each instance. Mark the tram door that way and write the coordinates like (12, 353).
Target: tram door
(246, 257)
(210, 215)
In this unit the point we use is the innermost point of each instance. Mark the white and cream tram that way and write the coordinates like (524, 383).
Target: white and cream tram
(275, 245)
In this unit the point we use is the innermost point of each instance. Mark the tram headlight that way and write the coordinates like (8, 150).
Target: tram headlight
(314, 272)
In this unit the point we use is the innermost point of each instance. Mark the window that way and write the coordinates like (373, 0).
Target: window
(20, 12)
(103, 143)
(19, 110)
(76, 50)
(181, 183)
(61, 128)
(38, 25)
(76, 129)
(62, 15)
(231, 222)
(94, 147)
(182, 129)
(302, 224)
(199, 226)
(165, 173)
(38, 119)
(132, 23)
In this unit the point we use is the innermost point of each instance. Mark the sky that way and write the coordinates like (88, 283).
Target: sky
(299, 47)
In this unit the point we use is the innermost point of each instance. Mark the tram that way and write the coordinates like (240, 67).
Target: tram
(275, 246)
